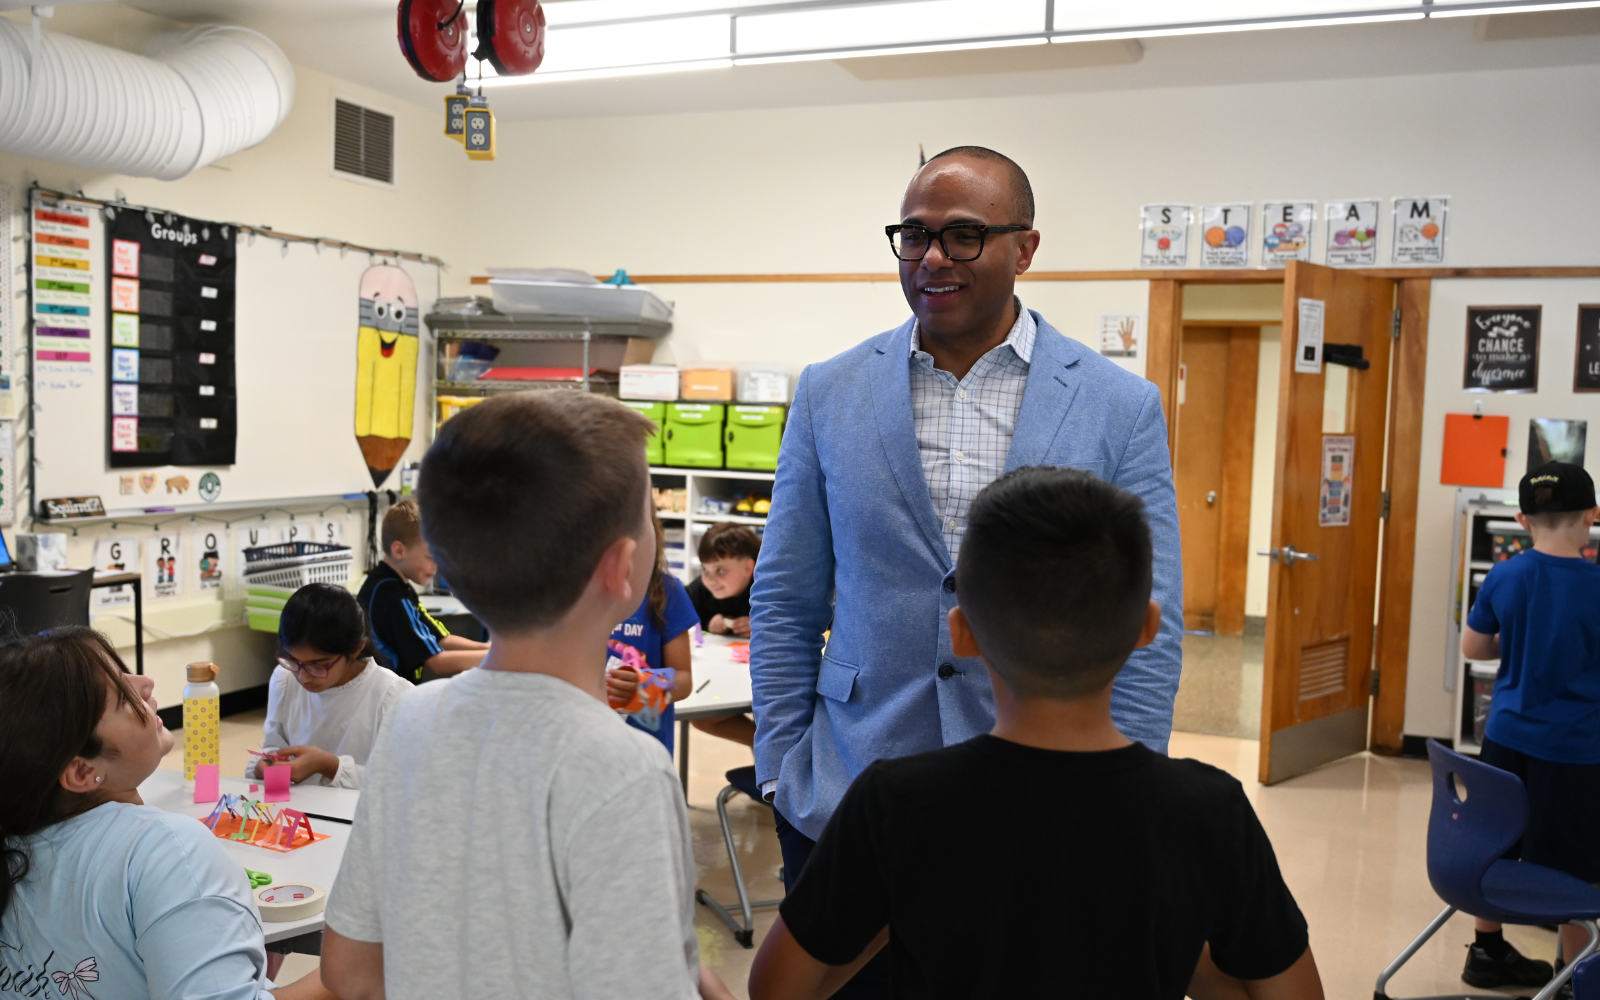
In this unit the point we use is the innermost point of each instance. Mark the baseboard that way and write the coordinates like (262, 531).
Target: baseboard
(1417, 746)
(231, 703)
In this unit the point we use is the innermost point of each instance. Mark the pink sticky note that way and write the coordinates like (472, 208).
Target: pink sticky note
(255, 788)
(277, 776)
(207, 784)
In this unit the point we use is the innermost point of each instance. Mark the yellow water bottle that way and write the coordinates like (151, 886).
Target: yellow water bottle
(202, 719)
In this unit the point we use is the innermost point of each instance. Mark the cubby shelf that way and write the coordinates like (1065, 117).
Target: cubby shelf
(700, 483)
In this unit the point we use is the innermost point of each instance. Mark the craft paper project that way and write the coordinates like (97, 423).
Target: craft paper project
(1338, 458)
(1225, 234)
(1286, 231)
(1556, 441)
(1419, 230)
(277, 781)
(653, 694)
(207, 782)
(1474, 450)
(1352, 233)
(1164, 235)
(739, 652)
(115, 555)
(386, 368)
(1502, 349)
(252, 822)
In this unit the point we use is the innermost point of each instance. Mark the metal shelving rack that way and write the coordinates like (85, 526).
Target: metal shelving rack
(1470, 560)
(697, 482)
(525, 328)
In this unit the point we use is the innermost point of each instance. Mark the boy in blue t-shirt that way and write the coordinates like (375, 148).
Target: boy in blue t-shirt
(1539, 614)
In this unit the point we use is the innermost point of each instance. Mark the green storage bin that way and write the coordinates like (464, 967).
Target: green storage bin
(694, 434)
(753, 435)
(262, 619)
(655, 445)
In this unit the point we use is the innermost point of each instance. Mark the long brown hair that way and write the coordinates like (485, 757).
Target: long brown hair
(53, 691)
(657, 591)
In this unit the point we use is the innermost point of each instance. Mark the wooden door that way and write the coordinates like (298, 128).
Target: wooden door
(1215, 443)
(1326, 516)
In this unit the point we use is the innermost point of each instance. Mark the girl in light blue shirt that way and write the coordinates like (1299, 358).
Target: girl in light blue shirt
(101, 895)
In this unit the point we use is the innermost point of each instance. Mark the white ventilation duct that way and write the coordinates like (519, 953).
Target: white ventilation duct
(197, 97)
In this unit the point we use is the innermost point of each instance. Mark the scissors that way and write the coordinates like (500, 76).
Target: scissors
(258, 879)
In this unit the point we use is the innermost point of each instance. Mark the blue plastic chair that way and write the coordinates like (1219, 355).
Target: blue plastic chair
(1586, 979)
(740, 780)
(1467, 840)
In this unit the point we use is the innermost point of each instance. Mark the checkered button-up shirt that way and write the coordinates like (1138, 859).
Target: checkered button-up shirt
(964, 426)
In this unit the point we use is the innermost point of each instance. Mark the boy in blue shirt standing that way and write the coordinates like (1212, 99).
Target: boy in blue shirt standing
(1539, 614)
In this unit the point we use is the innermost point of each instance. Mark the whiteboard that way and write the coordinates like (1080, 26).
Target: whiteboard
(296, 322)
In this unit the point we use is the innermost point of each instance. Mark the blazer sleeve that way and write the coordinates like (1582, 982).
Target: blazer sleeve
(791, 600)
(1141, 701)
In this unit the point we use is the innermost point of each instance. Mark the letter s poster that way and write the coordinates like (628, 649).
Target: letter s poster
(1164, 235)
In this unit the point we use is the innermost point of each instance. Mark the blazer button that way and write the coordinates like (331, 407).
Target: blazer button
(949, 584)
(946, 671)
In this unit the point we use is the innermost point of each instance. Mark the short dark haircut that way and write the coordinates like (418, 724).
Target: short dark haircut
(728, 541)
(325, 617)
(1019, 178)
(522, 494)
(401, 523)
(1054, 578)
(1557, 520)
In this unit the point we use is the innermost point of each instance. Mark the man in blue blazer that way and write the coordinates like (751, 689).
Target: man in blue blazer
(886, 445)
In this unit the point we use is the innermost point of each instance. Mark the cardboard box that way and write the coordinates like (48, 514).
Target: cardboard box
(649, 382)
(710, 384)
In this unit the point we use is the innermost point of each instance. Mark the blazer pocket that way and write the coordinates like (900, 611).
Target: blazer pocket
(835, 680)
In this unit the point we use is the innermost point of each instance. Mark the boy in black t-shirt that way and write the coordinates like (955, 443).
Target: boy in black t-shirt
(721, 597)
(983, 865)
(410, 641)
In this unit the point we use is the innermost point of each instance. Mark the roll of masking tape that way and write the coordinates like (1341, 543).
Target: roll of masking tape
(290, 901)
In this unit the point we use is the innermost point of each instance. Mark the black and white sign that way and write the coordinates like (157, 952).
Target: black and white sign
(1502, 349)
(1586, 374)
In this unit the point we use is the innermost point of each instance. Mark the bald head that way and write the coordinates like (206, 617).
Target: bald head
(1015, 179)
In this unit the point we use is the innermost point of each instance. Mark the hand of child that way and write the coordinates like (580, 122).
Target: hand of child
(621, 683)
(718, 625)
(309, 760)
(740, 627)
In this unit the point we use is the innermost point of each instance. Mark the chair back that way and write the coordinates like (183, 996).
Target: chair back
(1467, 835)
(30, 603)
(1586, 979)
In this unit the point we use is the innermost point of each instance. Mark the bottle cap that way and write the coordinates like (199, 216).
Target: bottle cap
(201, 673)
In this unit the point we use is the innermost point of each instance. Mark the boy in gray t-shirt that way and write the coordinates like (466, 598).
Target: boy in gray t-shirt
(514, 837)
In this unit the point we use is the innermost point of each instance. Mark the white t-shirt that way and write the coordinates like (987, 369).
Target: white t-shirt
(515, 838)
(128, 901)
(342, 720)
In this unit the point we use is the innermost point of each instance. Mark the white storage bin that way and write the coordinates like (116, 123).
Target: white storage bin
(763, 383)
(657, 382)
(554, 298)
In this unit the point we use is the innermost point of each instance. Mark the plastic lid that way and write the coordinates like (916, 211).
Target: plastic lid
(201, 673)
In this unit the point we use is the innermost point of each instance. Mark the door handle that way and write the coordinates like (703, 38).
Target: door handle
(1211, 497)
(1287, 555)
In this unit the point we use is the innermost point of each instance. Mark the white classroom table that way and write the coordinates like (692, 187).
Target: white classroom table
(721, 687)
(318, 863)
(442, 605)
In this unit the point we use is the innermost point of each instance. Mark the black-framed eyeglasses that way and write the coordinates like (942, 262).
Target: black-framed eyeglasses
(962, 241)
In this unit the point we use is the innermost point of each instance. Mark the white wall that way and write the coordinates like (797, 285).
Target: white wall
(286, 183)
(1262, 469)
(1428, 704)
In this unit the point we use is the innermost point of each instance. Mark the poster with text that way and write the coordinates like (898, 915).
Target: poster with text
(1308, 337)
(1419, 230)
(1120, 336)
(206, 549)
(1338, 458)
(1352, 233)
(1225, 234)
(1502, 349)
(1586, 371)
(163, 566)
(115, 555)
(1164, 235)
(65, 254)
(1286, 228)
(8, 473)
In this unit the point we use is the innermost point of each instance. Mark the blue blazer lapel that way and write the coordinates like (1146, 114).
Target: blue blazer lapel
(1051, 387)
(889, 374)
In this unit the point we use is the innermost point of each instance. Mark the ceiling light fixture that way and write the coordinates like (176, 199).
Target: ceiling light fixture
(1502, 8)
(1227, 27)
(902, 50)
(602, 74)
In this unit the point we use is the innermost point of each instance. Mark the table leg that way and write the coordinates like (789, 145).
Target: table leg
(683, 756)
(138, 627)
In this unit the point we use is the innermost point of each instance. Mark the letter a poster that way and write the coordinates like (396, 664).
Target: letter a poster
(1352, 233)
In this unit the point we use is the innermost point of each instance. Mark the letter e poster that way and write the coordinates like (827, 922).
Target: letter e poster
(1286, 232)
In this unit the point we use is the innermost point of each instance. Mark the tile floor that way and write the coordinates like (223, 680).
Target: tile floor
(1220, 693)
(1349, 837)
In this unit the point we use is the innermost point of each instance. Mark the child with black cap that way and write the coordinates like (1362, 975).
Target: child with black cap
(1539, 614)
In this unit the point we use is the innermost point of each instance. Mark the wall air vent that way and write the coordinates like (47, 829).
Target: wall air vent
(363, 142)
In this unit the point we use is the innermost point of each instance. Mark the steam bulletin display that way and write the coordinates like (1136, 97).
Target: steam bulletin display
(171, 391)
(1502, 349)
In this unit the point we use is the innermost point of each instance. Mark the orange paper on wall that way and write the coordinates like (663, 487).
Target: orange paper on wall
(1474, 450)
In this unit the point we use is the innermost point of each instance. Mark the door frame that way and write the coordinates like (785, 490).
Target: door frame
(1402, 473)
